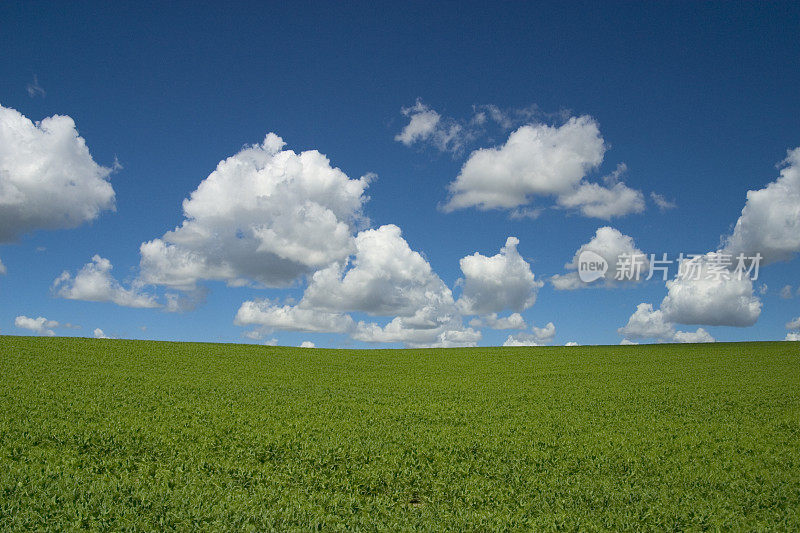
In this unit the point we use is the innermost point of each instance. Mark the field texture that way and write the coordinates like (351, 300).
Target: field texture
(129, 435)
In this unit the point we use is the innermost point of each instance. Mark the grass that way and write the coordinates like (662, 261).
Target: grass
(132, 435)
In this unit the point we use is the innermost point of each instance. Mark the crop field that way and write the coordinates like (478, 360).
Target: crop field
(133, 435)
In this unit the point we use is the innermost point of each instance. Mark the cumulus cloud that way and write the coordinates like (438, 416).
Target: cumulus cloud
(544, 160)
(388, 278)
(291, 318)
(646, 323)
(48, 179)
(537, 337)
(535, 160)
(793, 324)
(98, 334)
(704, 293)
(617, 249)
(307, 344)
(770, 220)
(700, 335)
(709, 289)
(95, 283)
(419, 332)
(571, 343)
(39, 325)
(493, 284)
(595, 200)
(265, 215)
(425, 124)
(792, 336)
(612, 199)
(512, 321)
(432, 326)
(422, 124)
(385, 277)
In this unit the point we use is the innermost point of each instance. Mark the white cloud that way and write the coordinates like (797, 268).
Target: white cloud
(48, 179)
(645, 323)
(538, 337)
(492, 284)
(40, 325)
(265, 215)
(536, 160)
(792, 336)
(98, 334)
(447, 134)
(272, 342)
(701, 294)
(612, 199)
(425, 124)
(545, 334)
(436, 324)
(421, 126)
(543, 160)
(291, 318)
(626, 342)
(512, 321)
(662, 203)
(700, 335)
(2, 268)
(594, 200)
(708, 290)
(793, 324)
(415, 333)
(763, 289)
(770, 220)
(611, 245)
(95, 283)
(307, 344)
(386, 278)
(571, 343)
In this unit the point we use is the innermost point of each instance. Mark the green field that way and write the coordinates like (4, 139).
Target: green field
(132, 435)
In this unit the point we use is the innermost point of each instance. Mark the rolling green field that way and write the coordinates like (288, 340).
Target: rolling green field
(132, 435)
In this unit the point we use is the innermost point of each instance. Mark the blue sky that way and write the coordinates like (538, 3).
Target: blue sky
(699, 102)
